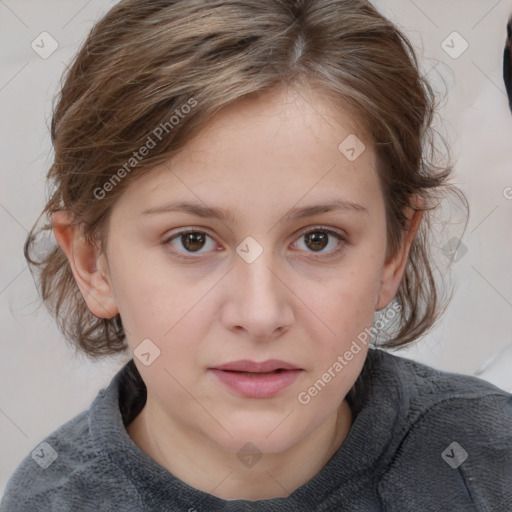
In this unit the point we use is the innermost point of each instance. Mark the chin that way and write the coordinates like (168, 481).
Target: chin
(267, 437)
(257, 444)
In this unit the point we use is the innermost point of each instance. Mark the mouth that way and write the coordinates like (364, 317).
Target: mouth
(258, 374)
(248, 366)
(257, 380)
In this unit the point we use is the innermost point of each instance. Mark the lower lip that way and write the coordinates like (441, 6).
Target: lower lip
(256, 385)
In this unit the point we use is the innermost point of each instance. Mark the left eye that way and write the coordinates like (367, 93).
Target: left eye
(198, 242)
(318, 239)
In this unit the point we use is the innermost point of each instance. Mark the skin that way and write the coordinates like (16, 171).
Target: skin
(296, 302)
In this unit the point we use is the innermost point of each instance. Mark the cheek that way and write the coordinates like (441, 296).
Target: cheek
(346, 310)
(152, 298)
(340, 342)
(343, 304)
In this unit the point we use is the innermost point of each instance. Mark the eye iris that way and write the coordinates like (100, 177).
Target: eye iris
(318, 240)
(193, 241)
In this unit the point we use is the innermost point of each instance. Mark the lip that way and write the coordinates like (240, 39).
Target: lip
(257, 380)
(246, 365)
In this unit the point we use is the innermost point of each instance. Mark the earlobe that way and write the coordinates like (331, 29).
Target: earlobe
(88, 265)
(394, 267)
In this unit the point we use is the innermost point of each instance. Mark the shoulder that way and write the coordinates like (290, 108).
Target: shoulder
(51, 469)
(456, 448)
(61, 472)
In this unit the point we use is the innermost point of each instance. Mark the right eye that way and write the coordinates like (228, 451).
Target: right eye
(190, 241)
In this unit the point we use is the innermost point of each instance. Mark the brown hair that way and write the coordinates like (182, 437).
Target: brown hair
(167, 66)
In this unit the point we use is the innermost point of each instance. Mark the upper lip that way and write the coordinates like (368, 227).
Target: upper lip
(246, 365)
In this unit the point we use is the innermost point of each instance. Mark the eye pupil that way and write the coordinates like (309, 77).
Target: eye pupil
(318, 239)
(193, 241)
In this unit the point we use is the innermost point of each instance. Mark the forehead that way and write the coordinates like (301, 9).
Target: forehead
(274, 151)
(296, 122)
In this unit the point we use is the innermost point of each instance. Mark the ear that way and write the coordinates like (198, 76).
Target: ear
(88, 264)
(394, 266)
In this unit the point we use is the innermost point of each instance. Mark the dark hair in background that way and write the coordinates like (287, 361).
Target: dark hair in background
(507, 63)
(145, 59)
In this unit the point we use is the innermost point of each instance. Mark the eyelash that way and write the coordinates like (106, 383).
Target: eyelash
(341, 238)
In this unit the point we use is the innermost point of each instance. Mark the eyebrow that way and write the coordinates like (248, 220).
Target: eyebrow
(296, 213)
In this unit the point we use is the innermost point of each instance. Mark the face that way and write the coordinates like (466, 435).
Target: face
(287, 268)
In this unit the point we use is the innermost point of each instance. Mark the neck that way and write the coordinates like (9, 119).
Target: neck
(202, 464)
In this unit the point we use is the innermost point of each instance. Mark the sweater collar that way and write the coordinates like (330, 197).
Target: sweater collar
(379, 400)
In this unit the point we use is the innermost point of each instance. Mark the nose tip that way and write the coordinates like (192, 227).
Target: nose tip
(261, 305)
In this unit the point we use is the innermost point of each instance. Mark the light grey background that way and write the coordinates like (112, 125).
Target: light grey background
(43, 384)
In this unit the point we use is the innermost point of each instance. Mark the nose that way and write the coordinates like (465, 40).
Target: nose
(260, 300)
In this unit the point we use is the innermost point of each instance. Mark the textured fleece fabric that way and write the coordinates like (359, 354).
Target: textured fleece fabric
(422, 441)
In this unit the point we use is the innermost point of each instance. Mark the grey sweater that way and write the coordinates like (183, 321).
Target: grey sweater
(422, 440)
